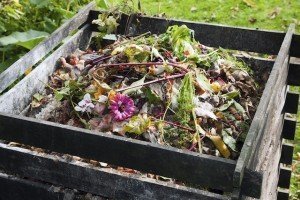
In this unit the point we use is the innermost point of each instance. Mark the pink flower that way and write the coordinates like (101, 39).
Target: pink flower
(122, 107)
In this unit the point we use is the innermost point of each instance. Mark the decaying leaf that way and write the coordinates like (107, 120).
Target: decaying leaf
(220, 145)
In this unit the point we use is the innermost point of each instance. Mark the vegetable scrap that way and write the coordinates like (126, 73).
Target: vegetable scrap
(167, 89)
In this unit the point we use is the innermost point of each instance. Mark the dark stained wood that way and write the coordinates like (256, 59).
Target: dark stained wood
(269, 95)
(17, 98)
(251, 184)
(291, 102)
(294, 74)
(285, 177)
(289, 128)
(283, 194)
(287, 154)
(295, 48)
(13, 188)
(36, 54)
(84, 177)
(214, 35)
(153, 158)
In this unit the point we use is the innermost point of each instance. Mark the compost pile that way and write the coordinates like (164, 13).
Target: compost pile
(167, 89)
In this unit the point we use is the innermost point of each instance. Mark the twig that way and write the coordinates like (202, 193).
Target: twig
(99, 59)
(179, 126)
(151, 82)
(143, 64)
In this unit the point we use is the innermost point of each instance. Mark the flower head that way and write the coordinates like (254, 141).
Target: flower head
(122, 107)
(86, 104)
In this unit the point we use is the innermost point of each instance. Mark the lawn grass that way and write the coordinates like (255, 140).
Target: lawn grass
(262, 14)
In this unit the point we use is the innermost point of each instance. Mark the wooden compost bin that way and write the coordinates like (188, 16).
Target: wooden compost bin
(260, 171)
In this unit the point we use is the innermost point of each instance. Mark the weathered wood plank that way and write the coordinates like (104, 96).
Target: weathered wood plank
(294, 74)
(213, 35)
(100, 181)
(260, 116)
(289, 128)
(13, 188)
(251, 185)
(295, 48)
(204, 170)
(284, 177)
(283, 194)
(287, 153)
(16, 99)
(291, 102)
(36, 54)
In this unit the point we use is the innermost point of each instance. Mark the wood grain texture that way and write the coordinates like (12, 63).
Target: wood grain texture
(250, 145)
(16, 99)
(105, 182)
(17, 69)
(201, 169)
(13, 188)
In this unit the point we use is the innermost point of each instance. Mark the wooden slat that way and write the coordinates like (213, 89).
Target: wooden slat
(283, 194)
(294, 74)
(36, 54)
(260, 116)
(100, 181)
(295, 48)
(17, 98)
(204, 170)
(214, 35)
(287, 153)
(291, 102)
(13, 188)
(285, 177)
(251, 185)
(289, 128)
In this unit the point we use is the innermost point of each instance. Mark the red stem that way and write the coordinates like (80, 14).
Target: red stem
(151, 82)
(179, 126)
(144, 63)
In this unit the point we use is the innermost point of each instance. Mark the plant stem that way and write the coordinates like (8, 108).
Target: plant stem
(174, 124)
(144, 63)
(179, 126)
(151, 82)
(97, 60)
(130, 40)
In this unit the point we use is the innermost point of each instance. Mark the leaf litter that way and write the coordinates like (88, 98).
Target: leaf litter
(167, 89)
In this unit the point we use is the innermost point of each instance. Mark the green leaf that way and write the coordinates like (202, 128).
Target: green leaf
(229, 140)
(38, 96)
(102, 4)
(151, 95)
(27, 39)
(58, 96)
(138, 124)
(231, 95)
(137, 83)
(225, 106)
(40, 3)
(203, 81)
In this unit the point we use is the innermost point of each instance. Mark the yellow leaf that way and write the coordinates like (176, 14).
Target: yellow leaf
(28, 71)
(250, 3)
(220, 145)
